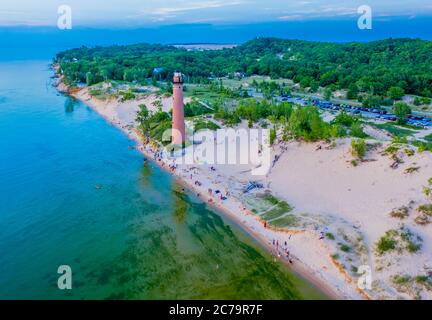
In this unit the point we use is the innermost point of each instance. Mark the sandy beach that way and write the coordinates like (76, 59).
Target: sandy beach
(328, 196)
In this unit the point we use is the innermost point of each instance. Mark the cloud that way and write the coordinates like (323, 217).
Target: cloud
(144, 12)
(193, 6)
(338, 11)
(291, 17)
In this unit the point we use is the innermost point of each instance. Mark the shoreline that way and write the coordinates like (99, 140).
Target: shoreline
(246, 220)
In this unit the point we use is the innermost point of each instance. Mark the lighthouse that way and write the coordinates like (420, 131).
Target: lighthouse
(178, 125)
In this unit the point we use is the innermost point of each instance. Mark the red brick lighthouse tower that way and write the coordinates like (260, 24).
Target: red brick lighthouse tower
(178, 125)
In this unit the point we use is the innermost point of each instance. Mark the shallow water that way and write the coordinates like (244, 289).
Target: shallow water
(73, 193)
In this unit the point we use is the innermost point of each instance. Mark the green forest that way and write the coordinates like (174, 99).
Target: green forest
(390, 67)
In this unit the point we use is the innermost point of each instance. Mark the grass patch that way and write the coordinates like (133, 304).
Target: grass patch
(344, 247)
(273, 214)
(395, 130)
(425, 281)
(157, 130)
(412, 243)
(401, 280)
(358, 148)
(280, 207)
(400, 213)
(425, 209)
(357, 131)
(425, 212)
(406, 281)
(411, 169)
(400, 240)
(391, 149)
(423, 146)
(286, 221)
(386, 243)
(409, 152)
(270, 198)
(202, 125)
(428, 137)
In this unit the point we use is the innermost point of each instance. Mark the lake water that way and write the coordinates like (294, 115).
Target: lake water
(73, 193)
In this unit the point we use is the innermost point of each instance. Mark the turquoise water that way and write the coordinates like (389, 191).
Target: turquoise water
(73, 193)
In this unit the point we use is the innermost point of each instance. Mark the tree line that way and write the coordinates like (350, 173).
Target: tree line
(390, 67)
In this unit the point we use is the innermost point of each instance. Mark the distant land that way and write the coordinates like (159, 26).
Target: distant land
(204, 46)
(47, 41)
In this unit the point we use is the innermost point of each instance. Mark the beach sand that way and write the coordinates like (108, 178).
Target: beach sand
(329, 195)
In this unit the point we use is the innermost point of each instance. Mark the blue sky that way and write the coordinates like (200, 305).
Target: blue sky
(130, 13)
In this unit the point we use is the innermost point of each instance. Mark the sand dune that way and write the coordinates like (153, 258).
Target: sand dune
(329, 195)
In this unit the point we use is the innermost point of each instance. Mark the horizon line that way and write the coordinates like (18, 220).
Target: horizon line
(117, 25)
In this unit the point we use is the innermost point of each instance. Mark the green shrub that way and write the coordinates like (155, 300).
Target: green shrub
(412, 245)
(330, 236)
(358, 148)
(425, 281)
(386, 243)
(409, 152)
(391, 149)
(345, 248)
(428, 137)
(357, 131)
(400, 213)
(202, 125)
(272, 136)
(423, 146)
(426, 209)
(307, 124)
(401, 280)
(344, 119)
(127, 95)
(401, 110)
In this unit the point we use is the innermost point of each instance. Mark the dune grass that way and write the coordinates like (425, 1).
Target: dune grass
(395, 130)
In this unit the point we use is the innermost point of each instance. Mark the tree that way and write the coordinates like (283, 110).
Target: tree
(425, 100)
(158, 105)
(352, 92)
(401, 110)
(339, 64)
(371, 101)
(89, 78)
(142, 117)
(306, 123)
(327, 94)
(314, 86)
(396, 93)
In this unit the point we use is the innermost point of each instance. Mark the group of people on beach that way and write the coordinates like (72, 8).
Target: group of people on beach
(218, 194)
(279, 248)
